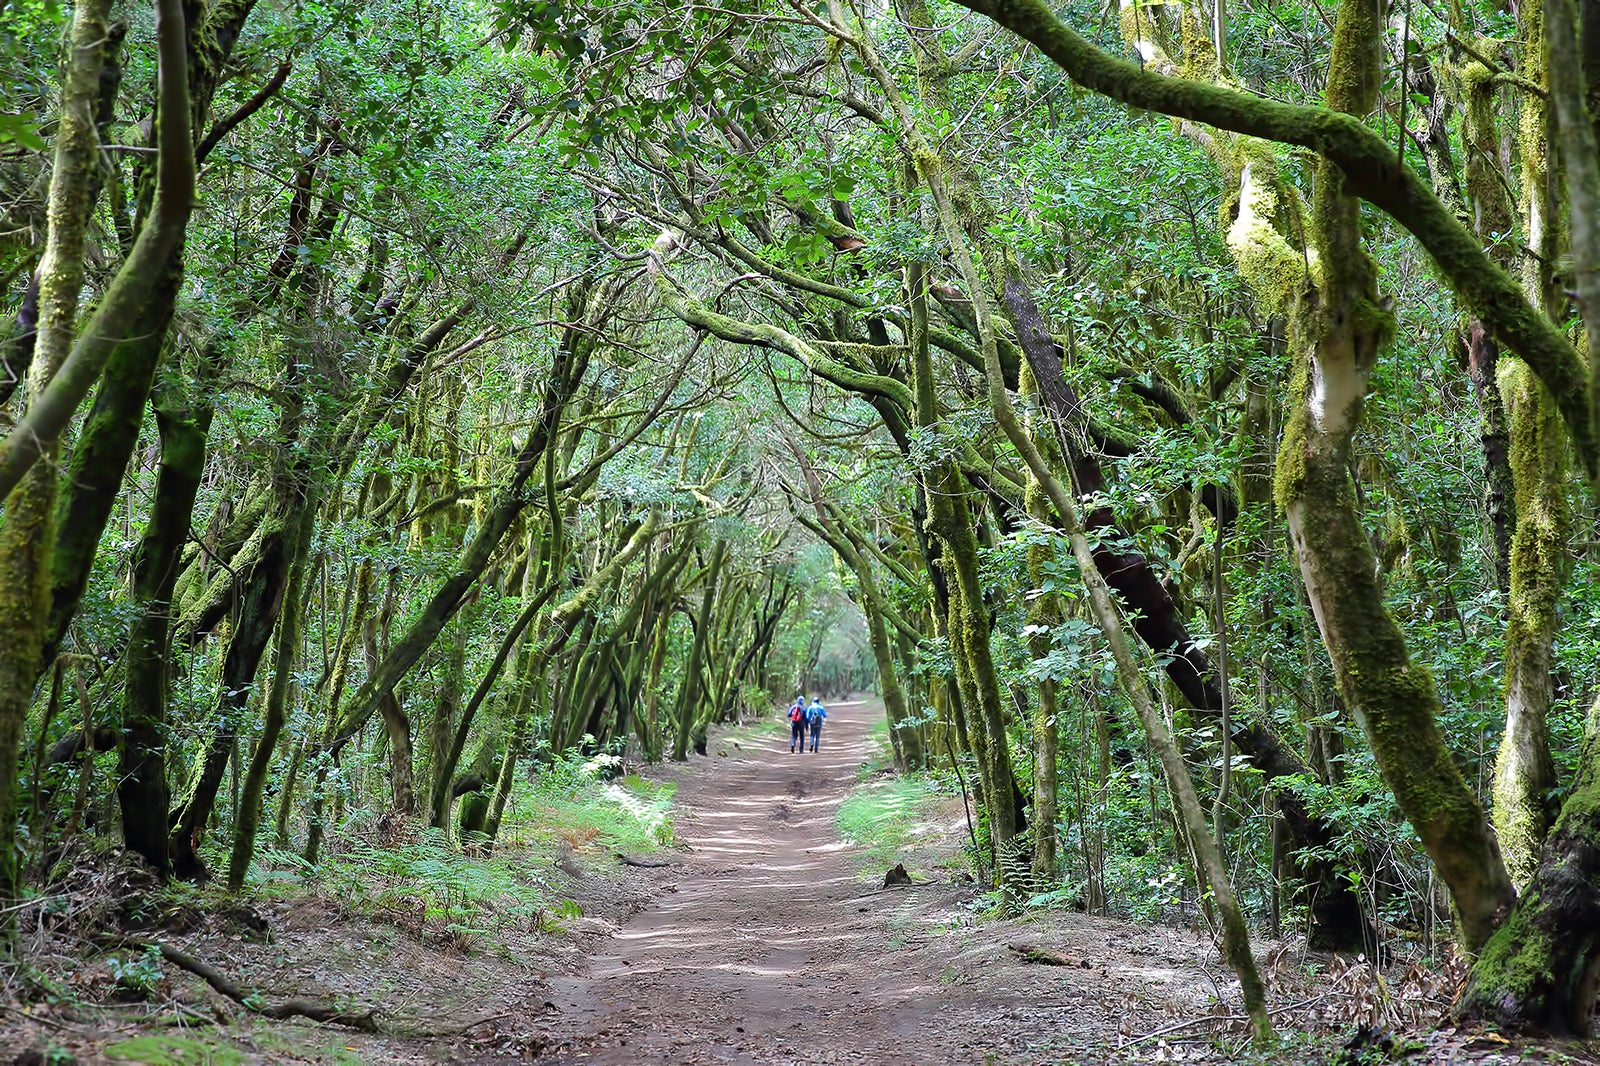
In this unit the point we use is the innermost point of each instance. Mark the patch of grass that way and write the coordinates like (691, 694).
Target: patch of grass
(428, 886)
(157, 1050)
(883, 816)
(756, 730)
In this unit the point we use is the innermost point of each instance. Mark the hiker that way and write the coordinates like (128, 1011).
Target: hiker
(814, 715)
(797, 724)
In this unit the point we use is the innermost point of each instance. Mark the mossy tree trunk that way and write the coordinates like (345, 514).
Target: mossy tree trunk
(1044, 614)
(446, 709)
(983, 719)
(651, 723)
(1369, 169)
(1339, 326)
(906, 737)
(1524, 774)
(1524, 448)
(690, 692)
(355, 624)
(61, 387)
(1236, 940)
(561, 623)
(1487, 189)
(29, 528)
(439, 811)
(298, 528)
(1336, 918)
(1540, 971)
(259, 603)
(452, 593)
(1499, 496)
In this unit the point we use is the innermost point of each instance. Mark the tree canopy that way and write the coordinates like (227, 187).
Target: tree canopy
(1182, 414)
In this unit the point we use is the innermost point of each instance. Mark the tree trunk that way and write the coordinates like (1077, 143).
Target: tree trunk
(1524, 774)
(1498, 494)
(247, 814)
(439, 815)
(652, 707)
(28, 532)
(259, 604)
(968, 626)
(1339, 327)
(1540, 971)
(689, 693)
(452, 592)
(99, 459)
(1043, 615)
(142, 775)
(560, 626)
(441, 727)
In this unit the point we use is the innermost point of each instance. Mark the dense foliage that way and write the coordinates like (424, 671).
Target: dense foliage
(542, 378)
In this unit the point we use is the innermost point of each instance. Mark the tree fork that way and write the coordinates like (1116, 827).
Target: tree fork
(1370, 170)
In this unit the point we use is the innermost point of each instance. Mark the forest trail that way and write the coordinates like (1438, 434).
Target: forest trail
(768, 946)
(759, 952)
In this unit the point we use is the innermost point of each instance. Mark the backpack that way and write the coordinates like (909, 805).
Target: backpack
(797, 713)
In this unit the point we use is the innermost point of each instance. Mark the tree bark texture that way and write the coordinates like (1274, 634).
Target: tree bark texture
(1524, 773)
(1540, 971)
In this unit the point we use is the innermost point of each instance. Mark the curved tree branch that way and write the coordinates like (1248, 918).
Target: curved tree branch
(1372, 172)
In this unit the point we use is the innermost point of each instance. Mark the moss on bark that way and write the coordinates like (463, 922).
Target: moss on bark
(1361, 160)
(28, 531)
(1540, 972)
(1524, 773)
(259, 601)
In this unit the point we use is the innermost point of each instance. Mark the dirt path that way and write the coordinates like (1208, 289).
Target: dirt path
(768, 946)
(767, 943)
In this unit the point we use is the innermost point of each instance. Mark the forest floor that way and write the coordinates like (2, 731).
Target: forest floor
(763, 937)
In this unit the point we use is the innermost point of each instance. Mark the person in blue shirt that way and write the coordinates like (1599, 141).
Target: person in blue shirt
(797, 724)
(814, 715)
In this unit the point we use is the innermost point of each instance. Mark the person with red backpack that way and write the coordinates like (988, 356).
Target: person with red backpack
(797, 725)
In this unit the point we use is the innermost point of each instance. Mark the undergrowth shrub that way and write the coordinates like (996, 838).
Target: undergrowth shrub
(887, 816)
(432, 887)
(570, 802)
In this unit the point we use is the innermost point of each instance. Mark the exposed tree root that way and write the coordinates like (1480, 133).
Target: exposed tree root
(648, 864)
(1029, 953)
(365, 1021)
